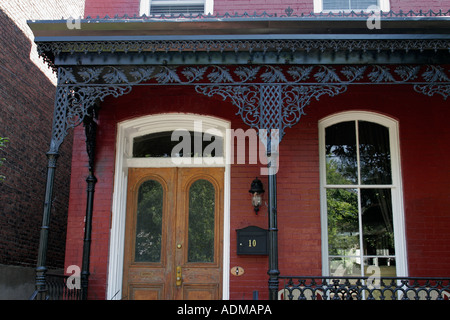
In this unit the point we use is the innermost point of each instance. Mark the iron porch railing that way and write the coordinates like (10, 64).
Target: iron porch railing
(363, 288)
(57, 289)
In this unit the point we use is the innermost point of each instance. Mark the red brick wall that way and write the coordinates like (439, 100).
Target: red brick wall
(26, 112)
(121, 7)
(426, 181)
(416, 5)
(111, 8)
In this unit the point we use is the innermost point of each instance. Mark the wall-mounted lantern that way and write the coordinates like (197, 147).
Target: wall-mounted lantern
(257, 191)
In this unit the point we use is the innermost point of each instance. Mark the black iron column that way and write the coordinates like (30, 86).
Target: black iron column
(273, 271)
(58, 133)
(90, 127)
(41, 269)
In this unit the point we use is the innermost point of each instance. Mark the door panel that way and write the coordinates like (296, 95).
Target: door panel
(146, 292)
(174, 229)
(199, 232)
(200, 292)
(145, 275)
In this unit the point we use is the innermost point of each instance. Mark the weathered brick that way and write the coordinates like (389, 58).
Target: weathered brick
(27, 92)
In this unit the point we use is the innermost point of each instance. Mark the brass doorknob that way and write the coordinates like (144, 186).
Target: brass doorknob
(179, 246)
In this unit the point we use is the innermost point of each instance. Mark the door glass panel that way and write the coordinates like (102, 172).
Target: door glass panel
(375, 155)
(340, 151)
(201, 222)
(343, 222)
(149, 222)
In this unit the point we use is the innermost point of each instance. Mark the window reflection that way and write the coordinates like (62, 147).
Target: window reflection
(340, 145)
(359, 206)
(375, 155)
(343, 221)
(149, 222)
(345, 266)
(201, 221)
(378, 229)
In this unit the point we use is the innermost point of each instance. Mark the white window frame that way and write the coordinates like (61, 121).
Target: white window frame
(383, 4)
(145, 5)
(396, 186)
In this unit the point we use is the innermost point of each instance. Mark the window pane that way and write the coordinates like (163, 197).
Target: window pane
(380, 267)
(149, 222)
(348, 4)
(201, 222)
(335, 4)
(340, 151)
(177, 9)
(362, 4)
(345, 266)
(343, 226)
(187, 143)
(377, 222)
(375, 154)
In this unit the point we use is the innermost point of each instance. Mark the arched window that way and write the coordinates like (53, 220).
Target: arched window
(361, 196)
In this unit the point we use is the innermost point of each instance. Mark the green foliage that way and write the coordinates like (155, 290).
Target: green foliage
(342, 206)
(201, 221)
(149, 222)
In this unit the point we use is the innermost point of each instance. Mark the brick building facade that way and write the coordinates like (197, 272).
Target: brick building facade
(102, 8)
(418, 179)
(27, 91)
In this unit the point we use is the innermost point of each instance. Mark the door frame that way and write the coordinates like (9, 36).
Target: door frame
(126, 131)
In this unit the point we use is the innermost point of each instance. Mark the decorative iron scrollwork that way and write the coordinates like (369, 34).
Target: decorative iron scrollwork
(267, 96)
(72, 104)
(51, 49)
(324, 75)
(272, 106)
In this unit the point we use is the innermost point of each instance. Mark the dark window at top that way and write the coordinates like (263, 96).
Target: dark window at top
(160, 145)
(348, 4)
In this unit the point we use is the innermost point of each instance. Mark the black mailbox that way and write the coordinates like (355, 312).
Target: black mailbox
(252, 240)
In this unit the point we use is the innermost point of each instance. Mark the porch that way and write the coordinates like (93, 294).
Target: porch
(269, 81)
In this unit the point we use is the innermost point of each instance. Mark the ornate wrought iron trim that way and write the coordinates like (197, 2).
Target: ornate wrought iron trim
(324, 75)
(267, 96)
(364, 288)
(49, 50)
(73, 103)
(271, 106)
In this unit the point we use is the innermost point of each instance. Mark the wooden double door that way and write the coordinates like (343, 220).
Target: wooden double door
(174, 232)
